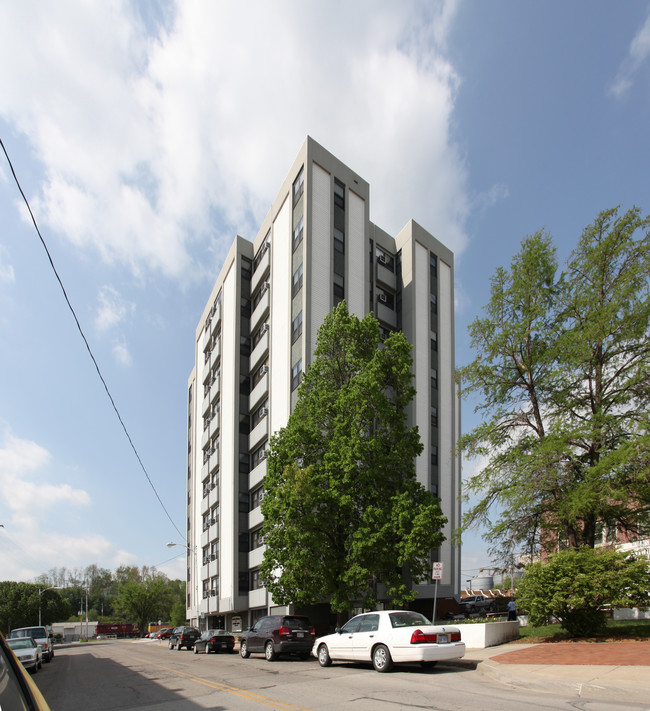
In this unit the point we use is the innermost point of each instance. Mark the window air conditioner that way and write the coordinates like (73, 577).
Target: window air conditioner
(382, 259)
(213, 593)
(265, 327)
(264, 455)
(264, 411)
(382, 298)
(264, 369)
(213, 556)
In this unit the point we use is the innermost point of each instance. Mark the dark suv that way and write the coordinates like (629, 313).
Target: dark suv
(278, 634)
(183, 637)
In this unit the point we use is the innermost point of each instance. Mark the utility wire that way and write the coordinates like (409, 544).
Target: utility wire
(85, 340)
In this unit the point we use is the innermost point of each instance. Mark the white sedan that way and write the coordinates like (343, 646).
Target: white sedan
(390, 636)
(28, 652)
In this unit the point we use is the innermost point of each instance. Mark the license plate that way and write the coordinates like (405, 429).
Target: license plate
(443, 639)
(300, 634)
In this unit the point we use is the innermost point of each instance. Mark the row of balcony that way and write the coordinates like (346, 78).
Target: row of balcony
(211, 324)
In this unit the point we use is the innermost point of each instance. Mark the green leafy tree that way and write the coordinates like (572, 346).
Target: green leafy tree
(573, 585)
(19, 604)
(562, 378)
(343, 511)
(145, 600)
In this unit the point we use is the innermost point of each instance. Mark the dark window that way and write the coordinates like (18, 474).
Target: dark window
(261, 330)
(339, 241)
(339, 194)
(339, 288)
(246, 268)
(257, 539)
(296, 328)
(296, 374)
(256, 582)
(434, 342)
(297, 233)
(259, 455)
(296, 282)
(260, 372)
(262, 250)
(433, 266)
(434, 455)
(385, 259)
(434, 416)
(260, 413)
(257, 296)
(256, 497)
(386, 299)
(434, 379)
(299, 186)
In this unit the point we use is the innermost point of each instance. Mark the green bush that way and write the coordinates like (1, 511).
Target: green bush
(574, 585)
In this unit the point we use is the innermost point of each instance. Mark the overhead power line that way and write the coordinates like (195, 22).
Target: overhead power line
(85, 340)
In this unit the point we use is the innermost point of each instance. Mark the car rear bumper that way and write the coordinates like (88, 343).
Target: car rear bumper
(428, 652)
(295, 647)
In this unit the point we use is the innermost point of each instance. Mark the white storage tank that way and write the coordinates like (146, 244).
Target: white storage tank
(481, 582)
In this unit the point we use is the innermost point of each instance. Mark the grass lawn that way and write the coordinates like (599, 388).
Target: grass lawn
(616, 630)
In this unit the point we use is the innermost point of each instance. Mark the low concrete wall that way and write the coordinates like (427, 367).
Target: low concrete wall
(631, 613)
(488, 634)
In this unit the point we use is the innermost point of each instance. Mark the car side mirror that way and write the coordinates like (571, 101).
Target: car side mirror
(338, 630)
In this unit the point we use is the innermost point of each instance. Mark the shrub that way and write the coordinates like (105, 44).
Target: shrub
(574, 585)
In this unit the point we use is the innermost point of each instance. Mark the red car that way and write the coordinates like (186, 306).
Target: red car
(164, 634)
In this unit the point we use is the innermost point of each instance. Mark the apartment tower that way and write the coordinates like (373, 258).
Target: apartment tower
(256, 337)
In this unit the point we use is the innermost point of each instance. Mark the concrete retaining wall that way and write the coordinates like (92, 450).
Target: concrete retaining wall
(632, 613)
(488, 634)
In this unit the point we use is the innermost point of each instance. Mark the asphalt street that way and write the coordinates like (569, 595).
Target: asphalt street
(111, 675)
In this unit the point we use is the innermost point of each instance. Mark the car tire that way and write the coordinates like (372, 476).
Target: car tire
(170, 645)
(428, 664)
(48, 659)
(179, 646)
(196, 650)
(269, 651)
(381, 659)
(243, 650)
(324, 658)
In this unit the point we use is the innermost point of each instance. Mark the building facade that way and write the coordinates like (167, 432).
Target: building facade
(256, 337)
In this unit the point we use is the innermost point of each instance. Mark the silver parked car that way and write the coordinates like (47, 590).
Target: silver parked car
(40, 635)
(28, 652)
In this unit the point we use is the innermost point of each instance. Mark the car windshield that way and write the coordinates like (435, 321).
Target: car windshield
(20, 643)
(407, 619)
(35, 632)
(296, 623)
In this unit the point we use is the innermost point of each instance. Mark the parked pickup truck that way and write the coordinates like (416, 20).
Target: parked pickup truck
(475, 603)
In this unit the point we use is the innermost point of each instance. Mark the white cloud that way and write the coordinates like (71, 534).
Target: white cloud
(121, 353)
(31, 541)
(638, 52)
(165, 133)
(6, 270)
(25, 498)
(112, 309)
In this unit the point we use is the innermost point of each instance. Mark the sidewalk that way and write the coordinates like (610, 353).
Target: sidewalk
(617, 671)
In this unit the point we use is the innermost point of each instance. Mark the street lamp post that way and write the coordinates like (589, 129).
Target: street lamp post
(192, 550)
(40, 592)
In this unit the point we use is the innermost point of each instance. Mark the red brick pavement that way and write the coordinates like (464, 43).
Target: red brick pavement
(609, 653)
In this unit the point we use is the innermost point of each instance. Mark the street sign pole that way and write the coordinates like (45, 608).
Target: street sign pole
(436, 574)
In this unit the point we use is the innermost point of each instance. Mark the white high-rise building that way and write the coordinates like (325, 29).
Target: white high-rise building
(256, 337)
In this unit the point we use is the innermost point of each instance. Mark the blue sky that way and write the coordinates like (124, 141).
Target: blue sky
(147, 134)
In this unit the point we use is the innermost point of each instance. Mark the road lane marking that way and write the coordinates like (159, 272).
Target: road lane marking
(235, 691)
